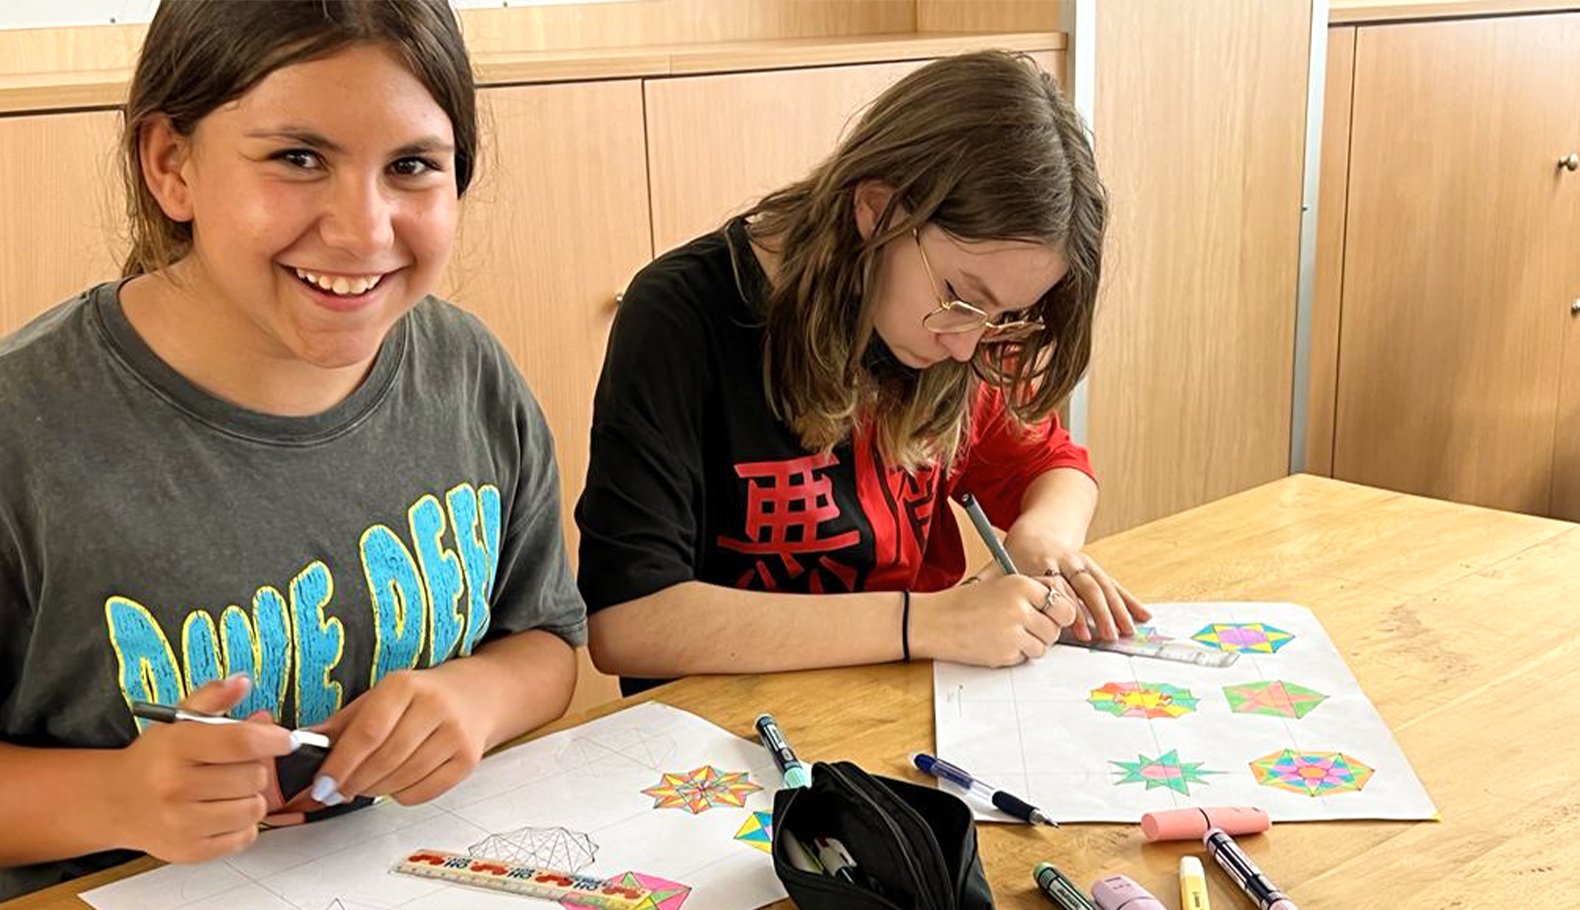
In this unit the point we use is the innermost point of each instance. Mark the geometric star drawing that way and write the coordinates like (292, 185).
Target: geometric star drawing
(1255, 637)
(1272, 697)
(701, 789)
(1148, 635)
(757, 831)
(1164, 771)
(1311, 773)
(1142, 699)
(546, 848)
(663, 893)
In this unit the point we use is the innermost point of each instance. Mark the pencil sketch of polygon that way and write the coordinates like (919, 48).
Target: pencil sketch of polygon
(341, 903)
(560, 849)
(600, 753)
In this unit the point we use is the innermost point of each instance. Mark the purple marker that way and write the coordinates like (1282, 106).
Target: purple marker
(1118, 892)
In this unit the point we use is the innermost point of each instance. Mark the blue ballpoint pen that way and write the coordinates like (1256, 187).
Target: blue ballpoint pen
(1005, 802)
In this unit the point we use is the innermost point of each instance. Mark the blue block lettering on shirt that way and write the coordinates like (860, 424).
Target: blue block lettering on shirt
(148, 669)
(488, 496)
(400, 603)
(260, 648)
(318, 642)
(441, 570)
(464, 518)
(200, 651)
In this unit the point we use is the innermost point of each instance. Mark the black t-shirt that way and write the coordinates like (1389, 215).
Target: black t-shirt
(692, 477)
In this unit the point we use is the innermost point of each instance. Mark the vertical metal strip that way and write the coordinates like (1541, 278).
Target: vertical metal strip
(1083, 93)
(1316, 81)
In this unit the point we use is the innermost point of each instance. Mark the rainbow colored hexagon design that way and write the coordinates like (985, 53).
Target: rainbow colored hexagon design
(1164, 771)
(1250, 637)
(1311, 773)
(663, 893)
(758, 831)
(1272, 697)
(1142, 699)
(701, 789)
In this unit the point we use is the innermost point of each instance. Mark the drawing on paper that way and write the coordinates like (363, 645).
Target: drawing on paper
(1147, 635)
(1272, 697)
(551, 848)
(1311, 773)
(341, 903)
(663, 893)
(594, 751)
(1250, 637)
(758, 831)
(1142, 699)
(1164, 771)
(701, 789)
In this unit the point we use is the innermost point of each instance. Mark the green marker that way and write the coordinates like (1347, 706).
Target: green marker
(795, 773)
(1059, 889)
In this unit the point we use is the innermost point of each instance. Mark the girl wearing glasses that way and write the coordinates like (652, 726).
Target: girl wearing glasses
(788, 402)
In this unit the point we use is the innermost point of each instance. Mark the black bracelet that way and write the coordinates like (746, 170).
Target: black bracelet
(905, 625)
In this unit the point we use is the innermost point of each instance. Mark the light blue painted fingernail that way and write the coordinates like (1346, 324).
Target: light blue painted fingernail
(333, 799)
(323, 788)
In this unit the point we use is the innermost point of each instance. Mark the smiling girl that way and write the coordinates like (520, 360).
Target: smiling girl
(788, 402)
(266, 473)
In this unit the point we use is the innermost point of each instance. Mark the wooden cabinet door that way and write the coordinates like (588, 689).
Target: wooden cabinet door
(1458, 247)
(1566, 450)
(553, 229)
(63, 216)
(719, 143)
(1200, 119)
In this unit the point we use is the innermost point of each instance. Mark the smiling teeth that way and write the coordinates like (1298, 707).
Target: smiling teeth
(341, 285)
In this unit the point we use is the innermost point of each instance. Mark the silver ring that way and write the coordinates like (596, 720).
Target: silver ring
(1047, 602)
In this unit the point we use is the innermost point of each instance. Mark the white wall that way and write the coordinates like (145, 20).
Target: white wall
(49, 13)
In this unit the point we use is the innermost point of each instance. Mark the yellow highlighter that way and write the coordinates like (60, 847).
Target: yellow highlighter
(1193, 884)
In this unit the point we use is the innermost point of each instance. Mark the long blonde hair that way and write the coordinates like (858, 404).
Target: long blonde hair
(986, 147)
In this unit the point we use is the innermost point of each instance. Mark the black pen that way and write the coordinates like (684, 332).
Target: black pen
(167, 714)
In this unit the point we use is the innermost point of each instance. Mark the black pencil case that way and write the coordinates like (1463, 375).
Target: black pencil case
(915, 847)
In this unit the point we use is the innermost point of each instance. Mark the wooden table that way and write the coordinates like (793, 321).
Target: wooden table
(1456, 621)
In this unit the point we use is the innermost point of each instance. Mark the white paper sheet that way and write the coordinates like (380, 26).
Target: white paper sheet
(1049, 732)
(572, 800)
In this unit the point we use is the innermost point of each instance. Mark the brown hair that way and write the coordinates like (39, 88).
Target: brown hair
(200, 54)
(984, 146)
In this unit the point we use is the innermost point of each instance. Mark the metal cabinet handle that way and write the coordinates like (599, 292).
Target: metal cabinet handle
(1575, 307)
(1570, 162)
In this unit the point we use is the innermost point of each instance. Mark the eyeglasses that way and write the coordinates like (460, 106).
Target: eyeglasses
(956, 317)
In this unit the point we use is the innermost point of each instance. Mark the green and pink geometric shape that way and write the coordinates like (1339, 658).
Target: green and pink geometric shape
(1311, 773)
(1272, 697)
(1251, 637)
(1166, 771)
(664, 894)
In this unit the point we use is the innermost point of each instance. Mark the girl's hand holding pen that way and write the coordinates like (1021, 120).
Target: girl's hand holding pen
(1106, 607)
(996, 623)
(191, 792)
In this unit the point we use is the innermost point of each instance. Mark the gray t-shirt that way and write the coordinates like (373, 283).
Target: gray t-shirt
(154, 537)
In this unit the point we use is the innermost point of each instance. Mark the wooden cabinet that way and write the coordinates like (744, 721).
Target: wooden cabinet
(1200, 127)
(1459, 262)
(552, 230)
(62, 219)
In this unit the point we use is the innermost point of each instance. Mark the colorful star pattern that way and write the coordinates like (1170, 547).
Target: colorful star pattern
(1148, 635)
(1164, 771)
(1273, 697)
(758, 831)
(1255, 637)
(1311, 773)
(1142, 699)
(663, 893)
(701, 789)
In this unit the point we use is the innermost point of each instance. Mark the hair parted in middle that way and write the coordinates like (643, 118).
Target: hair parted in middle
(984, 146)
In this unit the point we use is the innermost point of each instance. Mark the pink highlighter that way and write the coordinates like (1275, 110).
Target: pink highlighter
(1118, 892)
(1193, 824)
